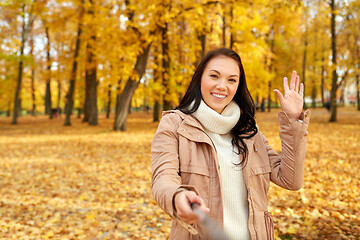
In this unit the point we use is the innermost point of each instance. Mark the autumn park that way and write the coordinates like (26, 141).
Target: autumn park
(83, 84)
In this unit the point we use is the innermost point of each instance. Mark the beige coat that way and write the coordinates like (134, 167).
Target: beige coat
(183, 155)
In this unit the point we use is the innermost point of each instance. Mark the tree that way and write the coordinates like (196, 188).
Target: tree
(90, 110)
(344, 66)
(26, 26)
(33, 110)
(306, 42)
(139, 70)
(70, 94)
(48, 104)
(130, 87)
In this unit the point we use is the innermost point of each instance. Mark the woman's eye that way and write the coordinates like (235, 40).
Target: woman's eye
(232, 80)
(214, 76)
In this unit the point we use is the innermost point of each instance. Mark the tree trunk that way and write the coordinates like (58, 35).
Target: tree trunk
(20, 71)
(304, 64)
(224, 27)
(334, 57)
(156, 93)
(124, 104)
(17, 92)
(272, 45)
(70, 93)
(59, 97)
(165, 67)
(91, 104)
(127, 93)
(9, 109)
(48, 100)
(313, 92)
(262, 107)
(269, 97)
(108, 109)
(33, 110)
(313, 95)
(156, 111)
(48, 75)
(271, 66)
(322, 81)
(118, 93)
(90, 108)
(80, 110)
(87, 97)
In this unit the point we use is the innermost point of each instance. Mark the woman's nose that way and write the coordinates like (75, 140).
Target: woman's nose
(221, 85)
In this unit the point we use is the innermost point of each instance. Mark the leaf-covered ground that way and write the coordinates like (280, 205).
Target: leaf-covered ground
(83, 182)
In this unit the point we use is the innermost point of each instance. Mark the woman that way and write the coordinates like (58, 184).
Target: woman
(209, 151)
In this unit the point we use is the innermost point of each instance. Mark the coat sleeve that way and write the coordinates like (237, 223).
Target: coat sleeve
(287, 168)
(166, 180)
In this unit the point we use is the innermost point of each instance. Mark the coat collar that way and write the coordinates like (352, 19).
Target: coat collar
(193, 122)
(187, 118)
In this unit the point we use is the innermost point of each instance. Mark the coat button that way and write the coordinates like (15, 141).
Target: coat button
(183, 130)
(200, 137)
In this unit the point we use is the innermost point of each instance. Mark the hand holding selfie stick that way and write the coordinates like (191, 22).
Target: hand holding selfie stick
(213, 230)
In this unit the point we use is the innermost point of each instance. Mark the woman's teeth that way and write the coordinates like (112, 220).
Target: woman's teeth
(218, 96)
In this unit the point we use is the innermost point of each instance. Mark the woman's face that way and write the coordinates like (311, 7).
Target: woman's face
(219, 82)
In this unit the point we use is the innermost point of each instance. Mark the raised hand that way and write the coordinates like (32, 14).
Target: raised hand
(292, 101)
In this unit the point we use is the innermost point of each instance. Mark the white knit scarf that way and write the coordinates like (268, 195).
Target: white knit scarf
(215, 122)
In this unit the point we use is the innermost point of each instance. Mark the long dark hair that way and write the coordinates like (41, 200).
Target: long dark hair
(245, 128)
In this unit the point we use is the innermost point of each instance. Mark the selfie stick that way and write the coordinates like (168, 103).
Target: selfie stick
(213, 230)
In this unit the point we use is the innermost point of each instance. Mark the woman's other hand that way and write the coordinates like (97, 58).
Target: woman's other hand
(183, 201)
(292, 101)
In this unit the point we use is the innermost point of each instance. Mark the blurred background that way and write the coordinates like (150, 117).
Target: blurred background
(104, 65)
(60, 56)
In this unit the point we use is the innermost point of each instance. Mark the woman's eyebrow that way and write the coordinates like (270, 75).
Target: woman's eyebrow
(234, 75)
(215, 71)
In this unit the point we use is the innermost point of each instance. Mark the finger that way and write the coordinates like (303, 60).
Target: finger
(293, 79)
(183, 207)
(193, 198)
(182, 203)
(203, 206)
(199, 200)
(279, 95)
(297, 84)
(301, 89)
(286, 85)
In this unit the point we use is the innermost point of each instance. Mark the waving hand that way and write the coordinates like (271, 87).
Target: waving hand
(292, 101)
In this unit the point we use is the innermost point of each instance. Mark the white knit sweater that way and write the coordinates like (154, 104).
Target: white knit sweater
(234, 194)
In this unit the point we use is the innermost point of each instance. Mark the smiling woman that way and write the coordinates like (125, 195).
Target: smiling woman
(209, 151)
(219, 82)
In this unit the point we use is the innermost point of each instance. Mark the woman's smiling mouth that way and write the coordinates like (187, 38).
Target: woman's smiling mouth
(218, 96)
